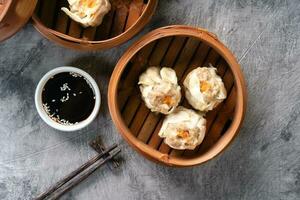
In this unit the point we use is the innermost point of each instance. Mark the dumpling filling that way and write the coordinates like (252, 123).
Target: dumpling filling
(183, 129)
(88, 12)
(160, 90)
(204, 89)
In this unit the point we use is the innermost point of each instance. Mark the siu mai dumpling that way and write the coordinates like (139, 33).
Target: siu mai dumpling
(87, 12)
(160, 90)
(183, 129)
(204, 89)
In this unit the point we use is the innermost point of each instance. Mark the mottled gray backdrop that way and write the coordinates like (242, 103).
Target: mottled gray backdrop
(262, 163)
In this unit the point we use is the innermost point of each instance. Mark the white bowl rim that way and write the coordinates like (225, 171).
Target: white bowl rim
(44, 115)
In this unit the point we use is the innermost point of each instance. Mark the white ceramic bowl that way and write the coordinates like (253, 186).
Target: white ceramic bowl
(42, 112)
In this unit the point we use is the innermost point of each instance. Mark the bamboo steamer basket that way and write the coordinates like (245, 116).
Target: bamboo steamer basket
(126, 18)
(14, 14)
(183, 48)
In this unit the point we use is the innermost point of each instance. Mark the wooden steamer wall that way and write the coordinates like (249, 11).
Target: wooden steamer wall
(182, 48)
(125, 19)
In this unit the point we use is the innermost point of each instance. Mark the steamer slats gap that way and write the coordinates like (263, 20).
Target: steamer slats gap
(119, 22)
(48, 12)
(104, 30)
(183, 48)
(61, 24)
(74, 29)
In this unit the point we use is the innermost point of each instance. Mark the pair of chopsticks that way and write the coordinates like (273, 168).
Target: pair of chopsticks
(79, 174)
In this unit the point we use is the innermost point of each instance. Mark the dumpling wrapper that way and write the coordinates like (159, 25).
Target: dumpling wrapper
(183, 129)
(160, 90)
(204, 89)
(87, 12)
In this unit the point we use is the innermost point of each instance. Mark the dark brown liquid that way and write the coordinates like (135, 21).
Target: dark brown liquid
(68, 98)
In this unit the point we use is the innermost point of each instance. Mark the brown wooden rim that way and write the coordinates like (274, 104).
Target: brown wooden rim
(240, 109)
(79, 44)
(7, 4)
(17, 14)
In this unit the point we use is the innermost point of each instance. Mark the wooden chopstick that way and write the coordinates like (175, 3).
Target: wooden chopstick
(83, 175)
(68, 181)
(98, 146)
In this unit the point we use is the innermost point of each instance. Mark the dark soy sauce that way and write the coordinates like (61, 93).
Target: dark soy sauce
(68, 98)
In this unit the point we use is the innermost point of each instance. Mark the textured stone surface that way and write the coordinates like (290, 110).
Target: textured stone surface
(262, 163)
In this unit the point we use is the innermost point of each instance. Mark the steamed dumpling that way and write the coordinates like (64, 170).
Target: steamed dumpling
(87, 12)
(183, 129)
(160, 90)
(204, 89)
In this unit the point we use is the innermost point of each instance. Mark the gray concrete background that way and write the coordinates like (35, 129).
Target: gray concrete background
(262, 163)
